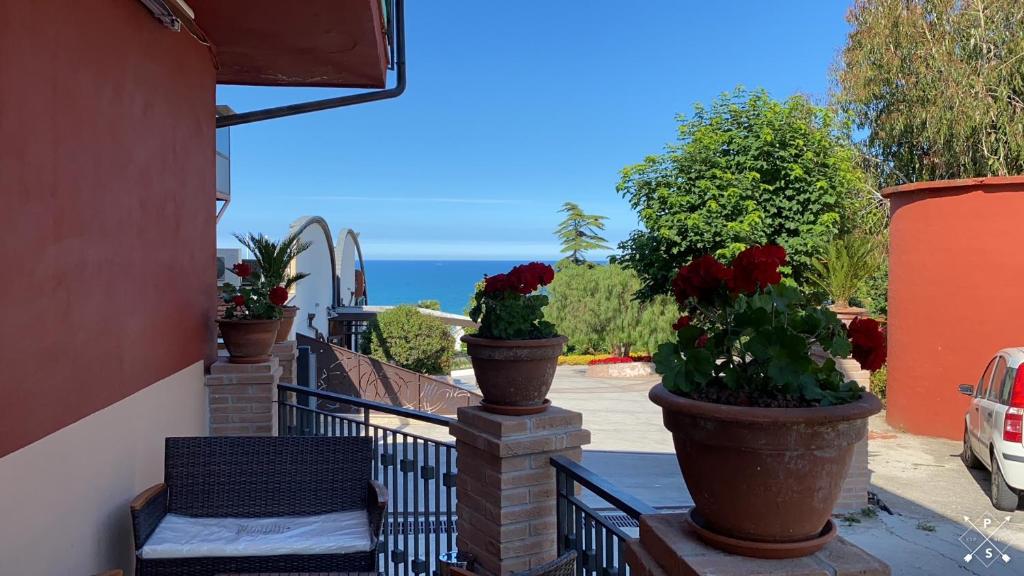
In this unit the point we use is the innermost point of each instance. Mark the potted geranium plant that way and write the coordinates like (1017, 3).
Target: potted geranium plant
(252, 317)
(515, 351)
(763, 432)
(274, 262)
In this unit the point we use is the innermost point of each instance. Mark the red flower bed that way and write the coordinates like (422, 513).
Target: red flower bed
(618, 360)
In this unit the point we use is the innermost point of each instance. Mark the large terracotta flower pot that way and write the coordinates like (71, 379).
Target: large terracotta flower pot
(764, 480)
(248, 341)
(514, 376)
(287, 319)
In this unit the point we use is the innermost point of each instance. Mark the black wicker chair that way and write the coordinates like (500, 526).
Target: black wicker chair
(261, 477)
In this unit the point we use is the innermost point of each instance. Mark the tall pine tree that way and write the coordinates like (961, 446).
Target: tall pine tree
(579, 233)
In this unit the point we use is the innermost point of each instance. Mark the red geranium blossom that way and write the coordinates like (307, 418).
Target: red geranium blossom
(869, 343)
(702, 341)
(238, 300)
(757, 267)
(524, 279)
(611, 360)
(278, 295)
(242, 270)
(683, 322)
(496, 283)
(700, 279)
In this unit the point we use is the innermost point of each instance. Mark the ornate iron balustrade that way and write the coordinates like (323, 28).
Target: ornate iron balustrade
(598, 542)
(349, 373)
(419, 472)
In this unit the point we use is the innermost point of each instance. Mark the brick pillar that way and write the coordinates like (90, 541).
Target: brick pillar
(506, 485)
(858, 480)
(241, 398)
(285, 353)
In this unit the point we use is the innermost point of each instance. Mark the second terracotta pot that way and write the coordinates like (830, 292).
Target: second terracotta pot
(287, 319)
(768, 475)
(248, 341)
(514, 376)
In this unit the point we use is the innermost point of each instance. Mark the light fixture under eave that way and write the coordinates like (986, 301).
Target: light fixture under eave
(162, 11)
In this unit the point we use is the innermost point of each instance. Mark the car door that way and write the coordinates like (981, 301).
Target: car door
(989, 406)
(974, 415)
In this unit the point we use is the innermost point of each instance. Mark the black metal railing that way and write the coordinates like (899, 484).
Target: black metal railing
(599, 541)
(419, 472)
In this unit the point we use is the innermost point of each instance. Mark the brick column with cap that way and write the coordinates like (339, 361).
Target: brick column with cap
(241, 398)
(285, 352)
(506, 485)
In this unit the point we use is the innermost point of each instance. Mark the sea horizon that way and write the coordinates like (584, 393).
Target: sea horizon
(449, 281)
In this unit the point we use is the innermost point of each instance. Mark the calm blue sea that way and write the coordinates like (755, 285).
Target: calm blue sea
(408, 281)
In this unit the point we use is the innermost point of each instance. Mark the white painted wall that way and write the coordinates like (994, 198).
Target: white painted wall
(64, 499)
(315, 293)
(347, 260)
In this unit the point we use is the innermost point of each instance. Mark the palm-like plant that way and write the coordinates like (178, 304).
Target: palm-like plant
(846, 264)
(274, 258)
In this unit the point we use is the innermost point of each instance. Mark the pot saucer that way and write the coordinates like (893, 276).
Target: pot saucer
(770, 550)
(515, 410)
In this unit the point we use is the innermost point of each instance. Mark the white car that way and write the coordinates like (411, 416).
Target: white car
(994, 424)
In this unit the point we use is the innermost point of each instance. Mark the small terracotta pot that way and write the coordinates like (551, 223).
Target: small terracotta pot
(846, 314)
(287, 319)
(514, 376)
(248, 341)
(765, 475)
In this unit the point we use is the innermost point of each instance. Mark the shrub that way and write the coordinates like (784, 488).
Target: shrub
(879, 380)
(747, 170)
(412, 340)
(429, 305)
(597, 309)
(846, 265)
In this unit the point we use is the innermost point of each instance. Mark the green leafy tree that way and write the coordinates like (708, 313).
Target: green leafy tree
(596, 308)
(429, 305)
(413, 340)
(579, 233)
(746, 170)
(939, 84)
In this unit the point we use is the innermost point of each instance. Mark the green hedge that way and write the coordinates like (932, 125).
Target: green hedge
(404, 336)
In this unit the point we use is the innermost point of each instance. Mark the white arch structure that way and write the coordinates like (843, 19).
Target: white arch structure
(351, 260)
(316, 294)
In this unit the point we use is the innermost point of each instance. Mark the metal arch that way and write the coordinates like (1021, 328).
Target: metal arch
(299, 226)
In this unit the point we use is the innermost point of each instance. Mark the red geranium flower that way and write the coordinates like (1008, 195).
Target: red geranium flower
(757, 267)
(496, 283)
(242, 270)
(700, 279)
(683, 322)
(238, 300)
(524, 279)
(278, 295)
(869, 343)
(702, 341)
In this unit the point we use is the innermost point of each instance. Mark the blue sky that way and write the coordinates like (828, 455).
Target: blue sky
(511, 109)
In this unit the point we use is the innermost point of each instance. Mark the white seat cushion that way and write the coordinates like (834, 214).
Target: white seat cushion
(186, 537)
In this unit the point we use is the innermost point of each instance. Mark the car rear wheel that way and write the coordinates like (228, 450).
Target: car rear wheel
(967, 454)
(1003, 497)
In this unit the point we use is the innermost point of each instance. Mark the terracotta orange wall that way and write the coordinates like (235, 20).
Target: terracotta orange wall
(107, 241)
(956, 282)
